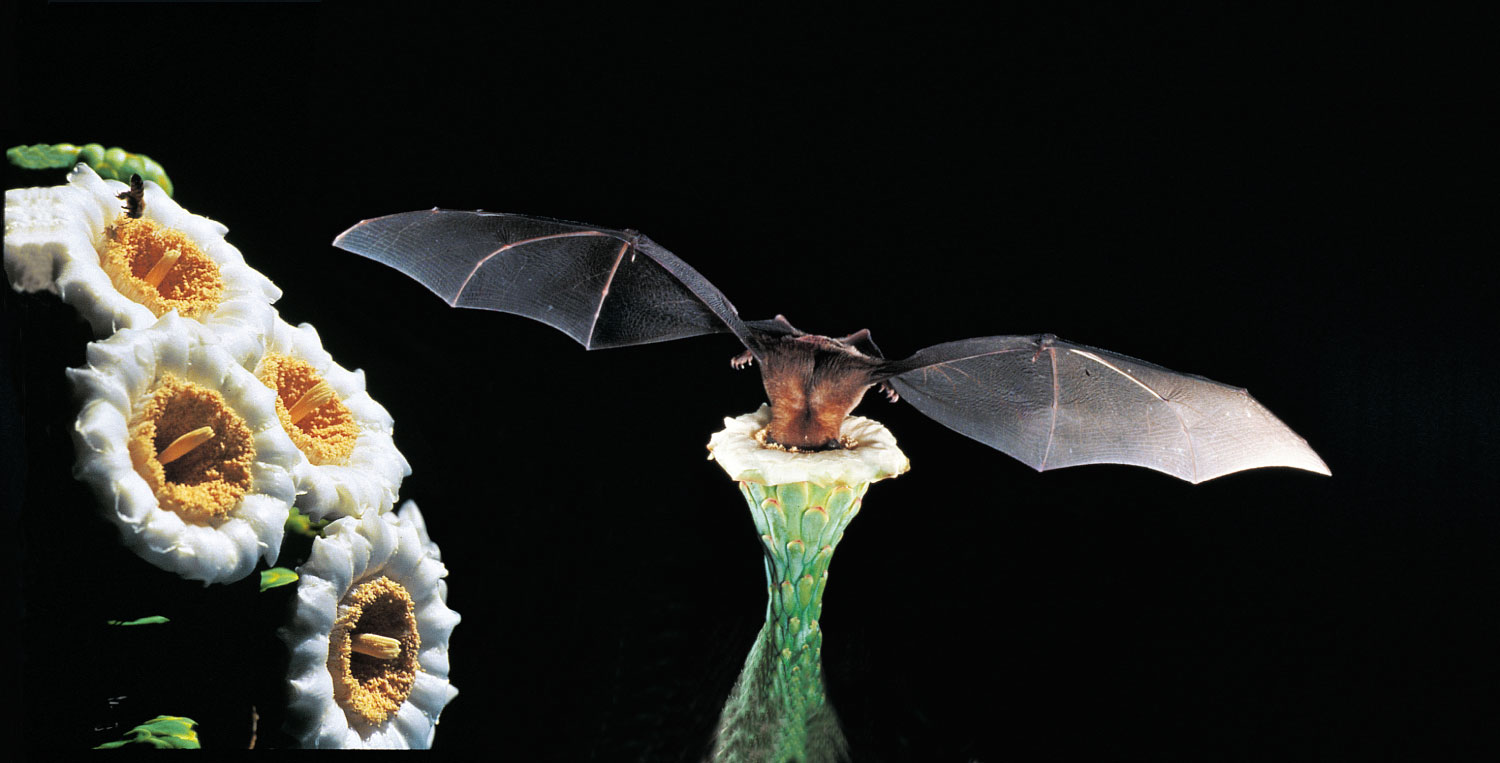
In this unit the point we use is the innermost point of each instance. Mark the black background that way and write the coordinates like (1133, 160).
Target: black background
(1275, 201)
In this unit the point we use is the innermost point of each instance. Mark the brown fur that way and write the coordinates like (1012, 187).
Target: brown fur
(813, 382)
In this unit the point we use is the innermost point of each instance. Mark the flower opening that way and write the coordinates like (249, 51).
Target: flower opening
(319, 423)
(205, 477)
(871, 454)
(161, 268)
(372, 651)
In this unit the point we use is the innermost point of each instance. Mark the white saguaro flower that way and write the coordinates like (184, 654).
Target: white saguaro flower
(182, 446)
(126, 272)
(369, 636)
(352, 463)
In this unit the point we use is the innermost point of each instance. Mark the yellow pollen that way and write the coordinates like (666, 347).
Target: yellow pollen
(193, 450)
(183, 445)
(160, 268)
(312, 400)
(378, 616)
(320, 425)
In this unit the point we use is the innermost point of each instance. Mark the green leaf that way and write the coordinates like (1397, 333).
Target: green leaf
(276, 577)
(152, 620)
(302, 524)
(164, 731)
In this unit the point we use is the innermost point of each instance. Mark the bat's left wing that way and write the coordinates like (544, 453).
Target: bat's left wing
(604, 288)
(1052, 404)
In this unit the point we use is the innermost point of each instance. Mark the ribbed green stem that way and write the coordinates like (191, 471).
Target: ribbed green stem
(778, 710)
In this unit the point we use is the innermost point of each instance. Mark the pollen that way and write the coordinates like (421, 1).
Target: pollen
(372, 650)
(160, 268)
(193, 451)
(320, 424)
(846, 442)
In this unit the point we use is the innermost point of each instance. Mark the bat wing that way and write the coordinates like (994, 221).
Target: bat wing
(1052, 404)
(604, 288)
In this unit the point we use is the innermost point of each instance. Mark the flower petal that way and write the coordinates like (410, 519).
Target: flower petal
(40, 231)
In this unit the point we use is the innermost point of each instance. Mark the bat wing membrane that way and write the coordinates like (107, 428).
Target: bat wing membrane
(605, 288)
(1052, 404)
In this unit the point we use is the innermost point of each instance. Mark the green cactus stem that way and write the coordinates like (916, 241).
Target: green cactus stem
(112, 163)
(801, 504)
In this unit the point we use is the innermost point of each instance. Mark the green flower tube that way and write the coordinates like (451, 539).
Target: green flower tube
(801, 503)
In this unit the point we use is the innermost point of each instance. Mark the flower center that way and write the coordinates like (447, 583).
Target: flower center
(847, 442)
(372, 651)
(160, 268)
(319, 423)
(193, 450)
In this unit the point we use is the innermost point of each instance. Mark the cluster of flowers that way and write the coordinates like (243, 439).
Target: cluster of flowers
(206, 418)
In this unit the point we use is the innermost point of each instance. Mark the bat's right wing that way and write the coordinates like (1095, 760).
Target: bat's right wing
(604, 288)
(1052, 404)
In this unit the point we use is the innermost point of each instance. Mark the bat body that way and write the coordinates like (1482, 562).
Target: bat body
(1044, 401)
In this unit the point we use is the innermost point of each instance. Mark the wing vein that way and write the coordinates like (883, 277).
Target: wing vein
(1181, 422)
(619, 257)
(477, 265)
(1051, 428)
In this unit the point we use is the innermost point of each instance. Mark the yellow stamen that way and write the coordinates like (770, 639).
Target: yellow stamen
(162, 267)
(184, 445)
(311, 400)
(379, 647)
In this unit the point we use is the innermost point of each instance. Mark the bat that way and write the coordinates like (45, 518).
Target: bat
(1044, 401)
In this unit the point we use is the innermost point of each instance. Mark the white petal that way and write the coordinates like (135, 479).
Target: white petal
(361, 405)
(242, 326)
(415, 727)
(332, 561)
(333, 731)
(425, 576)
(434, 660)
(40, 232)
(430, 694)
(411, 515)
(436, 621)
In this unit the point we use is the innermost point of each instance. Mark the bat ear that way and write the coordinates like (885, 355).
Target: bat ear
(861, 340)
